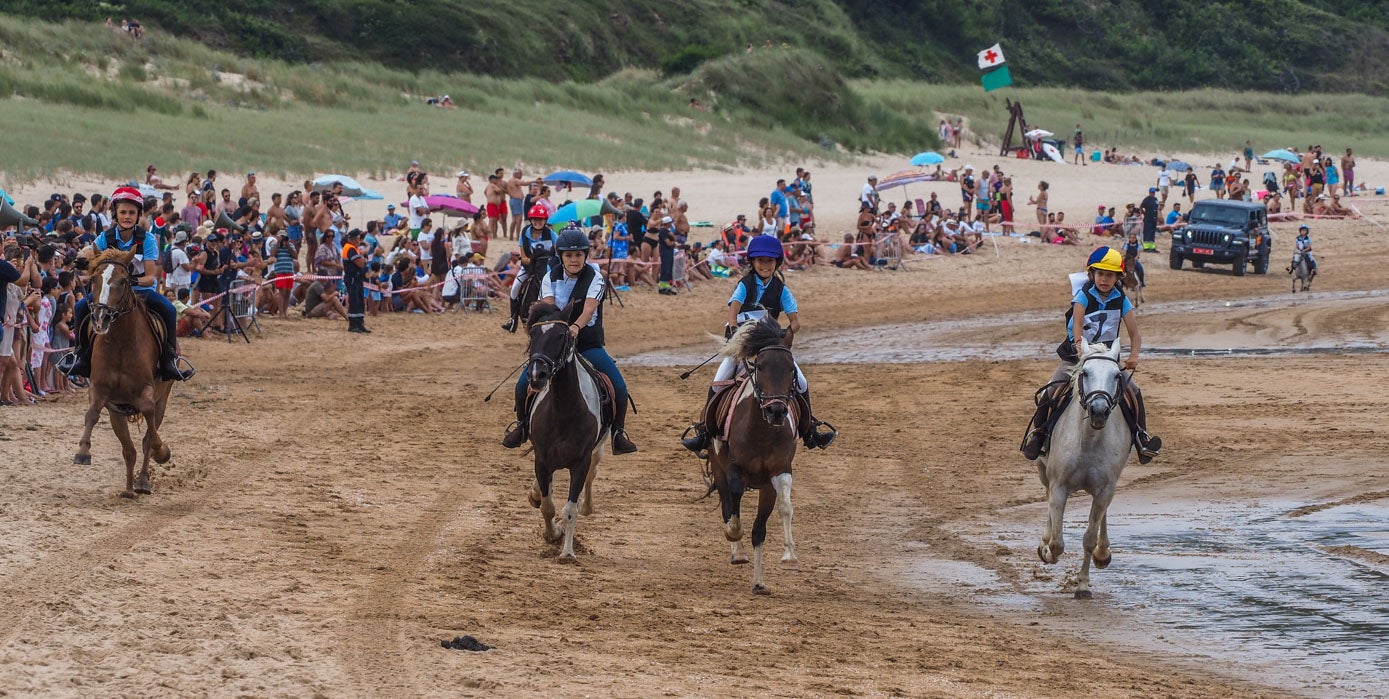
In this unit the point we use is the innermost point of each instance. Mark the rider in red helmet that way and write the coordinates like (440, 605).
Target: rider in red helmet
(1102, 307)
(537, 246)
(762, 292)
(127, 206)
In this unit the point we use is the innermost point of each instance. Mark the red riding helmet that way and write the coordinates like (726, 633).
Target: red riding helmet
(127, 194)
(538, 211)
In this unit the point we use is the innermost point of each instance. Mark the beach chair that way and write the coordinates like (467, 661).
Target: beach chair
(679, 274)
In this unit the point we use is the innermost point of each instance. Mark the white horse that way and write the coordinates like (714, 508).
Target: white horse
(1302, 272)
(1088, 451)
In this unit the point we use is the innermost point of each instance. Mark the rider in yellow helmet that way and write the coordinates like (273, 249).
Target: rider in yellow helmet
(1102, 307)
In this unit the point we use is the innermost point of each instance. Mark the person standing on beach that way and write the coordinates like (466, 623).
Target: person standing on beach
(464, 188)
(419, 209)
(1040, 201)
(1078, 142)
(1164, 182)
(1248, 155)
(1348, 172)
(250, 190)
(495, 194)
(515, 197)
(1150, 208)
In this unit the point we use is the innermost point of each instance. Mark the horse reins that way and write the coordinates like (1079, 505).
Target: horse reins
(1086, 397)
(126, 307)
(554, 364)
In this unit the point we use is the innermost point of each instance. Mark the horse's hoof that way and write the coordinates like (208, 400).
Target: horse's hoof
(568, 559)
(129, 494)
(1044, 553)
(144, 489)
(791, 564)
(533, 499)
(164, 456)
(1083, 594)
(760, 589)
(586, 510)
(1103, 563)
(82, 459)
(738, 560)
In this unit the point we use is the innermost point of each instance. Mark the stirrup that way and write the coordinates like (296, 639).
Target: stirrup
(815, 439)
(67, 362)
(182, 369)
(622, 444)
(515, 435)
(1148, 446)
(1034, 444)
(510, 325)
(699, 442)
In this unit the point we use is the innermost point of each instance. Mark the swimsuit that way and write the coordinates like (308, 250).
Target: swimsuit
(495, 210)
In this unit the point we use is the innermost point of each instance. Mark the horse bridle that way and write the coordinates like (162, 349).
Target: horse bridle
(566, 350)
(765, 401)
(1087, 397)
(111, 311)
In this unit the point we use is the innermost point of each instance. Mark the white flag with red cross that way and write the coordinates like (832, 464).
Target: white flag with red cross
(990, 57)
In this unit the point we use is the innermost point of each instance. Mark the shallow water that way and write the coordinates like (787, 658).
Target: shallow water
(1246, 586)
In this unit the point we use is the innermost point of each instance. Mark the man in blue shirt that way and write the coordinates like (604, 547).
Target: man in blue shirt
(1174, 216)
(782, 202)
(392, 219)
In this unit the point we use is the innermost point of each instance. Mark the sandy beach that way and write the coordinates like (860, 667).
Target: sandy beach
(337, 505)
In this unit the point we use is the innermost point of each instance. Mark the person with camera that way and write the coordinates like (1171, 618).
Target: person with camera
(128, 206)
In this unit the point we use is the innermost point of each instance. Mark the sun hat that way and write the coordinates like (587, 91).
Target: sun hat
(464, 173)
(667, 219)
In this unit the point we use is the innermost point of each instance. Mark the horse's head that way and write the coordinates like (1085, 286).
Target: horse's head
(1098, 380)
(770, 365)
(112, 278)
(551, 347)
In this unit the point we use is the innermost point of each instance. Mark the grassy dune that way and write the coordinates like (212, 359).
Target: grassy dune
(76, 97)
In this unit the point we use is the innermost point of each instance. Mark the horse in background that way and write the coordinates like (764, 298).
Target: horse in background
(1088, 451)
(1132, 288)
(569, 422)
(126, 342)
(1302, 272)
(759, 443)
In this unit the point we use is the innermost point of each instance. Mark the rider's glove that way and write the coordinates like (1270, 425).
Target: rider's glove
(727, 331)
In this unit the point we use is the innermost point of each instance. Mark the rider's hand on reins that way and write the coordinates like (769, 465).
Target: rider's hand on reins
(1131, 363)
(574, 330)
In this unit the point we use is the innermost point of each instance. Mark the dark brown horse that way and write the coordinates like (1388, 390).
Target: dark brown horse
(125, 349)
(568, 427)
(759, 442)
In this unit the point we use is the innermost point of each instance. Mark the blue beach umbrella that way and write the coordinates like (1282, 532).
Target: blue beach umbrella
(1282, 155)
(350, 187)
(581, 210)
(927, 158)
(569, 176)
(1179, 165)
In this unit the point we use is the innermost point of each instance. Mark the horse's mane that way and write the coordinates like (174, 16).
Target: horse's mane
(109, 255)
(752, 338)
(544, 312)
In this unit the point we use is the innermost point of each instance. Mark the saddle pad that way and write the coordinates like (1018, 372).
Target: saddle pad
(606, 406)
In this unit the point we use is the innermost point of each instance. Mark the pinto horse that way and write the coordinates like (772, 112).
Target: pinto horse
(125, 344)
(757, 447)
(569, 425)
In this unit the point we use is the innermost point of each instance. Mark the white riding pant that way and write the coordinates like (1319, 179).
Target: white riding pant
(521, 277)
(729, 365)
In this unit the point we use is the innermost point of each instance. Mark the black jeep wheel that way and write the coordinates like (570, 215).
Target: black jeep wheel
(1240, 263)
(1261, 263)
(1174, 260)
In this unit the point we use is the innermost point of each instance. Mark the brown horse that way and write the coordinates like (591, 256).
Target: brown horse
(757, 447)
(125, 349)
(569, 422)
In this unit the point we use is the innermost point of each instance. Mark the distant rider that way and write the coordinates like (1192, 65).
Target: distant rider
(1304, 245)
(537, 245)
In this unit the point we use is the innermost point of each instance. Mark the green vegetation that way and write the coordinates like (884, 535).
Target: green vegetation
(1271, 45)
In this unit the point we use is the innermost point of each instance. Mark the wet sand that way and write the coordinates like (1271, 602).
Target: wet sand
(338, 505)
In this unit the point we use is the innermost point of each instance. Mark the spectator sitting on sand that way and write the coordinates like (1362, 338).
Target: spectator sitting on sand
(850, 256)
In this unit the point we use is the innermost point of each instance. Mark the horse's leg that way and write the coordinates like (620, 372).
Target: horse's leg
(732, 500)
(543, 477)
(84, 447)
(142, 486)
(1052, 546)
(587, 508)
(120, 424)
(1098, 506)
(782, 483)
(162, 453)
(578, 480)
(1102, 554)
(766, 500)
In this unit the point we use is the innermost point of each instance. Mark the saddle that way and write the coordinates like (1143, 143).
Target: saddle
(1061, 393)
(718, 411)
(607, 409)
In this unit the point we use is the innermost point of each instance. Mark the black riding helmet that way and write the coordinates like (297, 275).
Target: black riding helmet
(572, 241)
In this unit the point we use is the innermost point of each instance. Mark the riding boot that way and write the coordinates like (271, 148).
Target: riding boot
(171, 363)
(813, 438)
(1034, 444)
(515, 320)
(519, 431)
(696, 437)
(1148, 444)
(622, 444)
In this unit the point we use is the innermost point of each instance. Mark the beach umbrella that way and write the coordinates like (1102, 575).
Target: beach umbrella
(1178, 165)
(570, 177)
(1039, 133)
(927, 158)
(581, 210)
(447, 204)
(1282, 155)
(350, 187)
(903, 178)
